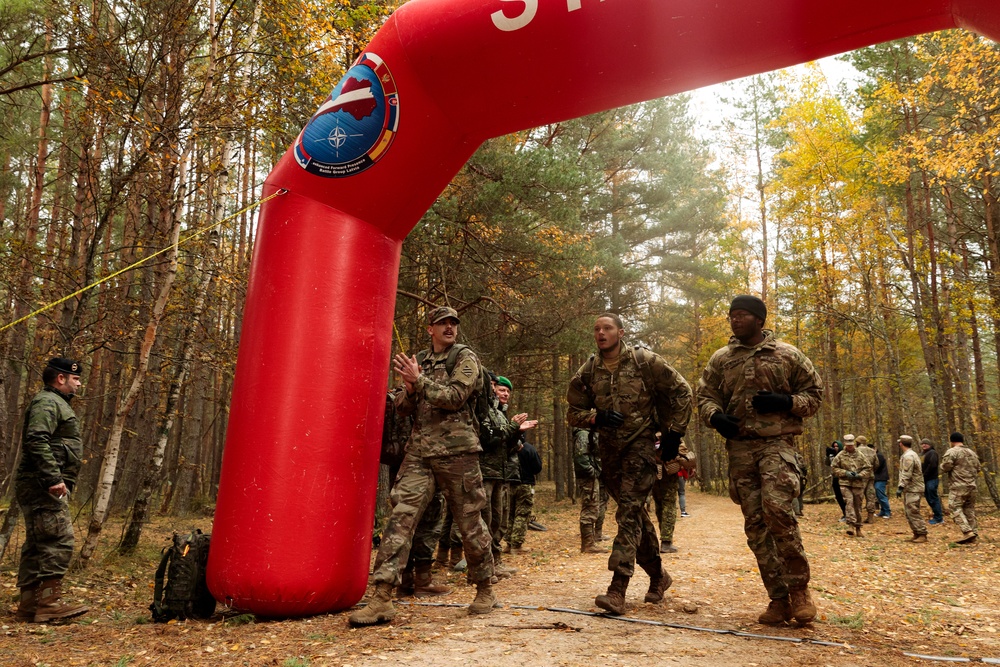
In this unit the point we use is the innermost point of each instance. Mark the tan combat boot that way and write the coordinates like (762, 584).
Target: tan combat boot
(501, 571)
(614, 599)
(27, 604)
(517, 549)
(967, 538)
(423, 583)
(455, 558)
(870, 518)
(49, 605)
(405, 587)
(485, 599)
(667, 547)
(588, 542)
(441, 559)
(803, 609)
(658, 585)
(857, 531)
(379, 608)
(777, 612)
(599, 535)
(919, 539)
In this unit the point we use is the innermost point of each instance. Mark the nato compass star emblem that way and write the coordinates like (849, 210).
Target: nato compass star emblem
(356, 124)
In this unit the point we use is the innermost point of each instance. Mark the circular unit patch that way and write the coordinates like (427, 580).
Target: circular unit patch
(355, 125)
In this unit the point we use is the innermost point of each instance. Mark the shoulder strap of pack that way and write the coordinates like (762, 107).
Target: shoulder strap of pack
(452, 359)
(643, 360)
(161, 570)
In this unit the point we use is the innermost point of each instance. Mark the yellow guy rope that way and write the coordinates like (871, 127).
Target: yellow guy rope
(398, 339)
(141, 261)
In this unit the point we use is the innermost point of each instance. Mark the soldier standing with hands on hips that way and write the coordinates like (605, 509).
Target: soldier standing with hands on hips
(755, 392)
(627, 394)
(50, 462)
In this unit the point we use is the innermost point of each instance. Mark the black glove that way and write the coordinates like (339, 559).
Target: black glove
(670, 445)
(899, 492)
(728, 426)
(609, 419)
(766, 402)
(852, 474)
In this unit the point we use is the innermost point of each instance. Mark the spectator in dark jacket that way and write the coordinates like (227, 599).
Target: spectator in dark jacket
(881, 480)
(523, 497)
(931, 481)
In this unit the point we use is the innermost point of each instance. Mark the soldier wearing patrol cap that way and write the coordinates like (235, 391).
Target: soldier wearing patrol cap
(50, 461)
(441, 453)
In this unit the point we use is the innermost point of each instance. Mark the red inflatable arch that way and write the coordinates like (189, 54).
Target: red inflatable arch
(294, 517)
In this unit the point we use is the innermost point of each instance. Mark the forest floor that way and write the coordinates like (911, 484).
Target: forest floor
(879, 597)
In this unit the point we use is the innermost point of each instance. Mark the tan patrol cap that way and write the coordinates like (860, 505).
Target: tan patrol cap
(442, 313)
(906, 440)
(849, 439)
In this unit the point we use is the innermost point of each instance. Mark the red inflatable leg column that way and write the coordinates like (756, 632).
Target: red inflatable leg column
(294, 517)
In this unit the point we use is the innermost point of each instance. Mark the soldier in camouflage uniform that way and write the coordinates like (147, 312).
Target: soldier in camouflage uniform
(587, 466)
(869, 453)
(500, 466)
(911, 488)
(755, 392)
(665, 492)
(627, 394)
(854, 470)
(50, 462)
(962, 466)
(442, 452)
(523, 496)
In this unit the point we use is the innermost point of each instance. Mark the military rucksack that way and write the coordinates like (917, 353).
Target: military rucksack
(643, 358)
(479, 403)
(395, 432)
(185, 594)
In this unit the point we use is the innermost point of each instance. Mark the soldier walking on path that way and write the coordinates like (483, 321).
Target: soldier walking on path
(587, 466)
(911, 488)
(854, 470)
(931, 481)
(628, 394)
(443, 452)
(962, 465)
(868, 451)
(755, 392)
(666, 491)
(50, 462)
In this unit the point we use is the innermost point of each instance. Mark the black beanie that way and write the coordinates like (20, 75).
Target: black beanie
(751, 304)
(957, 437)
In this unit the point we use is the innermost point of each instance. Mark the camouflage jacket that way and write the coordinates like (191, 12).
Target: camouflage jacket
(911, 476)
(737, 372)
(50, 439)
(962, 465)
(586, 459)
(500, 462)
(868, 452)
(442, 418)
(847, 462)
(665, 406)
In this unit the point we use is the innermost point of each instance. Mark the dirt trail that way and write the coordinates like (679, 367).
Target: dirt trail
(878, 595)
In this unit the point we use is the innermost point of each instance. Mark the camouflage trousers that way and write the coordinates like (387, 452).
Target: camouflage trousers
(665, 505)
(522, 504)
(590, 500)
(496, 514)
(48, 535)
(428, 532)
(763, 480)
(962, 506)
(911, 507)
(628, 474)
(853, 502)
(461, 481)
(870, 505)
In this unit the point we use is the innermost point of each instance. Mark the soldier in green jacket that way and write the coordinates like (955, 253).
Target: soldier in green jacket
(50, 462)
(755, 392)
(628, 394)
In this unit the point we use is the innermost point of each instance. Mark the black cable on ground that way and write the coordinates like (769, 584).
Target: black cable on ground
(715, 631)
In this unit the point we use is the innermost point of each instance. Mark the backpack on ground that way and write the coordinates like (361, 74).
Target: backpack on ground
(185, 594)
(479, 403)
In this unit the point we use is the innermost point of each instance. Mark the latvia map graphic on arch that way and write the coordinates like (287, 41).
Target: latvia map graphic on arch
(355, 125)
